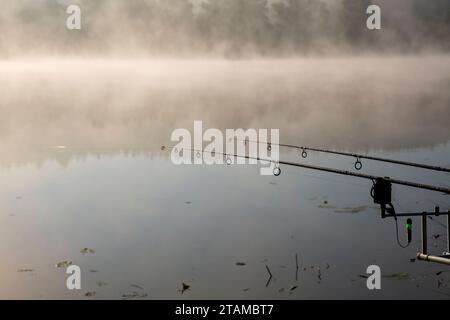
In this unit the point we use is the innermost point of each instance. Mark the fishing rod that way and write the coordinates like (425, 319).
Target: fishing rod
(277, 170)
(358, 163)
(381, 193)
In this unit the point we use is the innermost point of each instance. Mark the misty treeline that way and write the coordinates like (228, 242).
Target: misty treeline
(230, 28)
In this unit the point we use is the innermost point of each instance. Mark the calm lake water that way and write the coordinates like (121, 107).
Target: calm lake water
(152, 225)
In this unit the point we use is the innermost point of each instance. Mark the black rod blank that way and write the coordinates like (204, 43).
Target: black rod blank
(331, 170)
(367, 176)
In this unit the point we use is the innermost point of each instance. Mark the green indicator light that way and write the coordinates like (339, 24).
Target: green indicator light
(409, 229)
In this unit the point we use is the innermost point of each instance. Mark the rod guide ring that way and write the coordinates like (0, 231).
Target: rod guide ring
(358, 164)
(276, 171)
(304, 154)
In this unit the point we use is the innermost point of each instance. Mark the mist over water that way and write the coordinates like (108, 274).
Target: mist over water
(83, 116)
(359, 104)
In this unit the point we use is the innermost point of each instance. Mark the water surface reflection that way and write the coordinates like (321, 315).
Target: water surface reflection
(154, 226)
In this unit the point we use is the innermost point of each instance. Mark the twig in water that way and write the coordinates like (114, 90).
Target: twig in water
(270, 276)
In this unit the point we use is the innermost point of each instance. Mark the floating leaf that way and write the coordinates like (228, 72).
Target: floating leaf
(134, 295)
(240, 264)
(326, 206)
(25, 270)
(351, 209)
(87, 250)
(137, 287)
(63, 264)
(398, 276)
(90, 294)
(102, 284)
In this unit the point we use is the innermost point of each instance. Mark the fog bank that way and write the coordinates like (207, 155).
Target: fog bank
(232, 28)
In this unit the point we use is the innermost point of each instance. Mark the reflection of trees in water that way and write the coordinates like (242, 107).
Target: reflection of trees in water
(111, 108)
